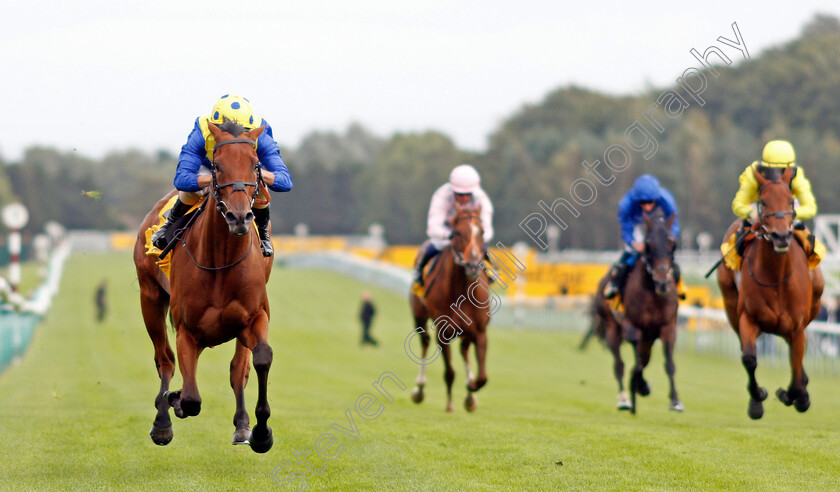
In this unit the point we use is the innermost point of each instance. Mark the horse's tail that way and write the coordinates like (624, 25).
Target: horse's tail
(171, 323)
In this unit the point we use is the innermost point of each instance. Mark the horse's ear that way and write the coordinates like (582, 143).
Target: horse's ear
(787, 175)
(761, 179)
(458, 207)
(214, 130)
(478, 208)
(648, 221)
(255, 133)
(670, 221)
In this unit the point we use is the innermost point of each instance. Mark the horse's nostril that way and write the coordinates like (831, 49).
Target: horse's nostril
(249, 216)
(230, 217)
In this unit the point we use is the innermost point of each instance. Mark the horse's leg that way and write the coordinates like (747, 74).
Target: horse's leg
(154, 303)
(255, 338)
(470, 402)
(186, 402)
(240, 368)
(637, 381)
(669, 336)
(613, 340)
(417, 393)
(796, 393)
(749, 331)
(481, 357)
(448, 375)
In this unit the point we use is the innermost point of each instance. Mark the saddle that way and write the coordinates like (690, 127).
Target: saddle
(173, 233)
(422, 290)
(814, 248)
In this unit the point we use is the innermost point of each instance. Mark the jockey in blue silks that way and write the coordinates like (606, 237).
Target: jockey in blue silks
(645, 197)
(193, 178)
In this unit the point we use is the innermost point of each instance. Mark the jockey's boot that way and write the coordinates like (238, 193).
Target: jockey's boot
(805, 238)
(430, 253)
(487, 262)
(741, 236)
(618, 276)
(678, 281)
(177, 211)
(262, 217)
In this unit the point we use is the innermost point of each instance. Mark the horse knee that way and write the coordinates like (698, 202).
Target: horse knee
(750, 362)
(263, 355)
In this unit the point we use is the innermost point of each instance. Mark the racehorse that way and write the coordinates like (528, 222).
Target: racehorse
(777, 292)
(650, 312)
(458, 300)
(216, 292)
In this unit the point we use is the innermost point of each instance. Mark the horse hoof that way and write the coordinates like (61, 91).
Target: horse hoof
(470, 402)
(161, 436)
(676, 406)
(802, 405)
(623, 401)
(261, 438)
(242, 436)
(643, 388)
(783, 397)
(755, 410)
(417, 395)
(449, 408)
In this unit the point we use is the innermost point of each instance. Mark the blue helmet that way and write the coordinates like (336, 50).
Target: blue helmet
(646, 188)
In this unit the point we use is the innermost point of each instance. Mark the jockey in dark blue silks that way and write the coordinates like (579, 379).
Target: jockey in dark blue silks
(193, 178)
(645, 197)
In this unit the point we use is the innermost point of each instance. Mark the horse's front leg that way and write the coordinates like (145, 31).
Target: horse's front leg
(471, 401)
(255, 338)
(748, 330)
(240, 368)
(186, 402)
(637, 381)
(448, 374)
(481, 357)
(669, 337)
(797, 393)
(613, 339)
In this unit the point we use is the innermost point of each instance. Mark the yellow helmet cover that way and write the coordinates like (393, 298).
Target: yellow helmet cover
(236, 108)
(778, 153)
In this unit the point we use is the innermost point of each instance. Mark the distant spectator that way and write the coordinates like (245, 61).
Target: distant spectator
(823, 314)
(366, 315)
(101, 301)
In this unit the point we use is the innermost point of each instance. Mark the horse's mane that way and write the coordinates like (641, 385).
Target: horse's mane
(232, 126)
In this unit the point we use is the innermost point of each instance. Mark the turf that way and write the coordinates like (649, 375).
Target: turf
(76, 412)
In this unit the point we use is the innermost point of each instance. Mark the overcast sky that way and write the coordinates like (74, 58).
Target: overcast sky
(102, 75)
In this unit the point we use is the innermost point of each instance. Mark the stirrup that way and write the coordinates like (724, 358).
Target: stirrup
(610, 291)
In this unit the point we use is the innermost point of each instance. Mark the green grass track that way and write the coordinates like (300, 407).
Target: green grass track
(75, 413)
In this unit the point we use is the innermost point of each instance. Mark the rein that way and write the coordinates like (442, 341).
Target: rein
(187, 228)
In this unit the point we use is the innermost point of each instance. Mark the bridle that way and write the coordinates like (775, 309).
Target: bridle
(647, 260)
(221, 206)
(459, 255)
(779, 214)
(765, 235)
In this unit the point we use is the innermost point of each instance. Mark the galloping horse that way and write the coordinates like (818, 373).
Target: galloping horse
(777, 292)
(216, 292)
(458, 300)
(650, 312)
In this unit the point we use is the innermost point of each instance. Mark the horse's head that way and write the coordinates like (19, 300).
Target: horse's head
(775, 207)
(468, 238)
(658, 255)
(236, 168)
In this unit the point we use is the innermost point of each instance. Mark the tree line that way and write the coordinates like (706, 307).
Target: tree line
(345, 181)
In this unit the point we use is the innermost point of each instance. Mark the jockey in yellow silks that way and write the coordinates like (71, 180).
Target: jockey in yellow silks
(192, 177)
(777, 154)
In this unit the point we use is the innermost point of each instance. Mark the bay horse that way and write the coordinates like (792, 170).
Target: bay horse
(777, 294)
(216, 292)
(458, 300)
(650, 312)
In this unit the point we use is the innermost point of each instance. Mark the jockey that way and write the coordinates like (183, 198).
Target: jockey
(646, 196)
(777, 154)
(193, 178)
(463, 188)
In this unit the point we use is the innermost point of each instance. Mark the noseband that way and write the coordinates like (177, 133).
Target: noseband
(221, 206)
